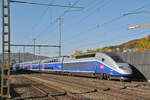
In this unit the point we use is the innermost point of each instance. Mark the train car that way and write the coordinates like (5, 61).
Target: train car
(103, 65)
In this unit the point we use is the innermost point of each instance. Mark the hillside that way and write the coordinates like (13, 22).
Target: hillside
(133, 45)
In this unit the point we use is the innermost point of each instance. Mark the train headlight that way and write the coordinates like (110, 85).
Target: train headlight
(121, 67)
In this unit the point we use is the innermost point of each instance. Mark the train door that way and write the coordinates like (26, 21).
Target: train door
(96, 67)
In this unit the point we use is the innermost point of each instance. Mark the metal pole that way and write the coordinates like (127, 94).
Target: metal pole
(39, 51)
(24, 54)
(39, 58)
(34, 48)
(19, 57)
(5, 75)
(60, 20)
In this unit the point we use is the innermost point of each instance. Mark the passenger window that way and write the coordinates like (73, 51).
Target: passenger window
(103, 59)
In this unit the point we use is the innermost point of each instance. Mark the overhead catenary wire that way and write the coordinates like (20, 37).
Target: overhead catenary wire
(43, 4)
(41, 18)
(114, 19)
(135, 11)
(105, 23)
(144, 6)
(112, 39)
(56, 20)
(139, 12)
(94, 27)
(101, 6)
(94, 11)
(88, 9)
(69, 7)
(101, 25)
(89, 30)
(62, 15)
(104, 33)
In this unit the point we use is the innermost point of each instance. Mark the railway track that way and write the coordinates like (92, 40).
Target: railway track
(43, 92)
(48, 91)
(27, 91)
(130, 85)
(137, 93)
(77, 88)
(87, 88)
(57, 90)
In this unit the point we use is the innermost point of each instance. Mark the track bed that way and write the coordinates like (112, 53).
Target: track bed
(59, 87)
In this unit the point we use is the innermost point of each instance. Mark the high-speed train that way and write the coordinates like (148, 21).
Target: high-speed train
(104, 65)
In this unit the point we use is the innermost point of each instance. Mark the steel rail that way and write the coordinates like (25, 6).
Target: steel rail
(102, 88)
(43, 92)
(56, 89)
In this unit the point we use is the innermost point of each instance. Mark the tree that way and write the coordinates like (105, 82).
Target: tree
(98, 50)
(143, 45)
(90, 51)
(77, 53)
(106, 49)
(147, 38)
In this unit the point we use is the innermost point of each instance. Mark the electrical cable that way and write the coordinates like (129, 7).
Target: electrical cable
(55, 21)
(108, 22)
(55, 5)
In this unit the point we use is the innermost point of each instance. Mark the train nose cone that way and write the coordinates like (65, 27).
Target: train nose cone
(125, 68)
(128, 71)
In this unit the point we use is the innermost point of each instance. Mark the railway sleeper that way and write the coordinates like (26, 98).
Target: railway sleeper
(57, 89)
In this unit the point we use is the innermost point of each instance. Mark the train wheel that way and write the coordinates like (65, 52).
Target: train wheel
(101, 76)
(104, 76)
(108, 77)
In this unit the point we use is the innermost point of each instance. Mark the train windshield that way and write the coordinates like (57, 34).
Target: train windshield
(117, 59)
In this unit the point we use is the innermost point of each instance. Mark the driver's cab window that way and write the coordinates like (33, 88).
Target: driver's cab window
(103, 59)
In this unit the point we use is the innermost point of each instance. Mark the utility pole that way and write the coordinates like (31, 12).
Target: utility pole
(34, 48)
(39, 53)
(24, 54)
(39, 58)
(19, 58)
(5, 70)
(60, 22)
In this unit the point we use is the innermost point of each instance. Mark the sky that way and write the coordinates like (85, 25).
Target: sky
(101, 23)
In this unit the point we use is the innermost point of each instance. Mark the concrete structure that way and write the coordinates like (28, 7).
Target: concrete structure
(140, 61)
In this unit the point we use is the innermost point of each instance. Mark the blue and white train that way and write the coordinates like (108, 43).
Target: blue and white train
(103, 65)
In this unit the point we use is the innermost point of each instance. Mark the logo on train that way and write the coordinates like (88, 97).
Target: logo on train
(101, 66)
